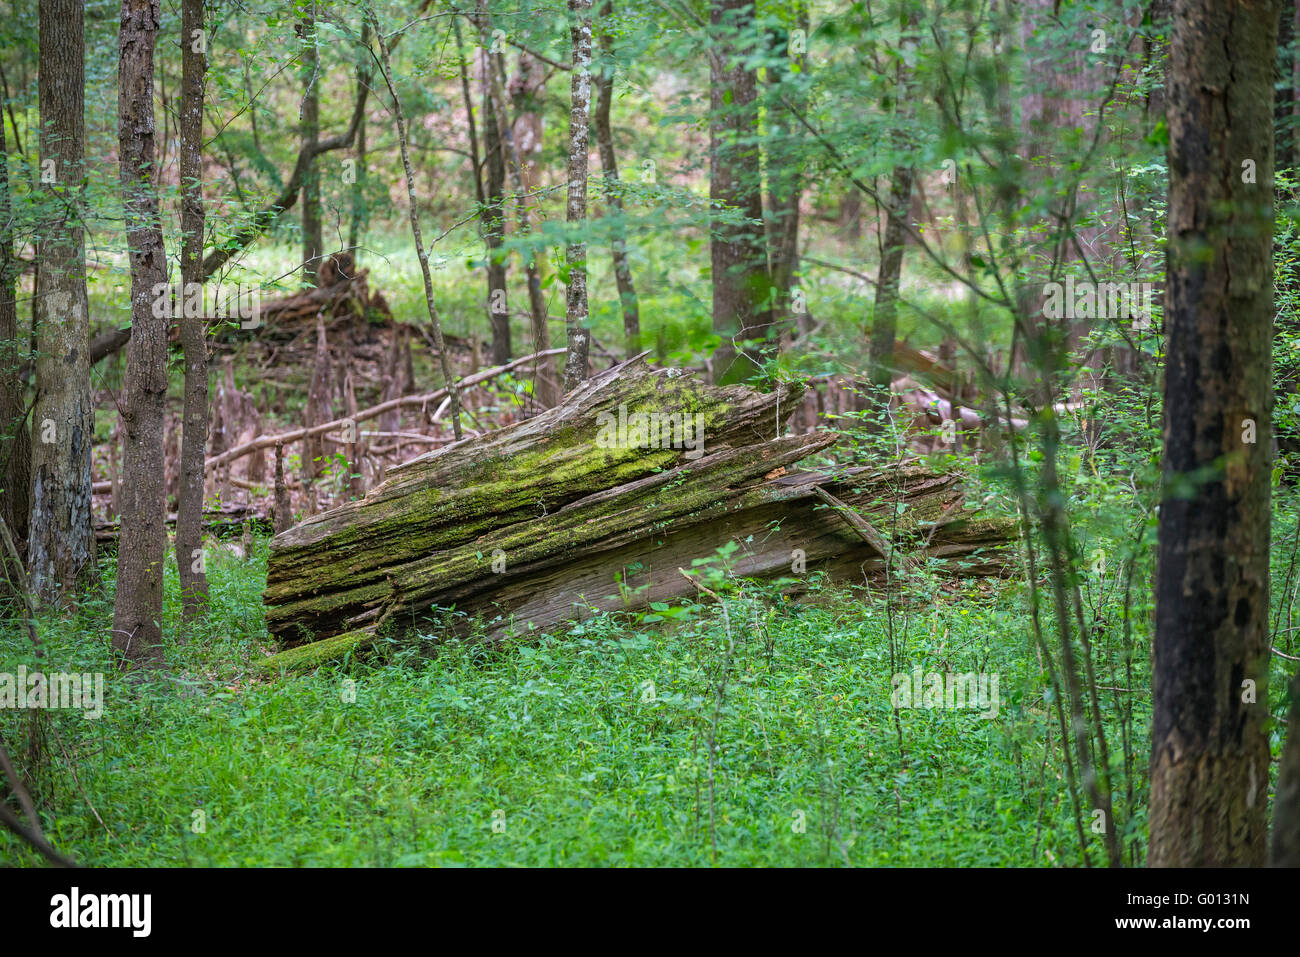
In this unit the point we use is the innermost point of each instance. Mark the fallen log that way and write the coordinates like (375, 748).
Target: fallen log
(592, 506)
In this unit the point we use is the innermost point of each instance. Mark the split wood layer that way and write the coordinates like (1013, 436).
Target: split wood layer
(545, 521)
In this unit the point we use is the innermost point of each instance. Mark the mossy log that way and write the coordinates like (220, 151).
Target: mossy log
(561, 516)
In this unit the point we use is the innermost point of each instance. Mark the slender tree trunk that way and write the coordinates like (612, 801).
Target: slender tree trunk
(1285, 107)
(742, 313)
(453, 392)
(884, 314)
(360, 214)
(613, 192)
(137, 611)
(61, 549)
(546, 387)
(494, 224)
(785, 166)
(575, 253)
(313, 242)
(15, 440)
(1286, 814)
(489, 216)
(194, 436)
(1209, 750)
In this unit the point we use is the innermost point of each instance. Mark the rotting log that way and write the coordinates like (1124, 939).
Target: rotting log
(559, 517)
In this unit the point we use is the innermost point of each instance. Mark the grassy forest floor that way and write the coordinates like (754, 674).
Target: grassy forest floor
(632, 739)
(564, 745)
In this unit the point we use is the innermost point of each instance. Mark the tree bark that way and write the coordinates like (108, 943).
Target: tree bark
(785, 169)
(137, 610)
(884, 314)
(742, 313)
(15, 440)
(575, 253)
(194, 436)
(613, 190)
(1209, 750)
(61, 550)
(313, 243)
(494, 224)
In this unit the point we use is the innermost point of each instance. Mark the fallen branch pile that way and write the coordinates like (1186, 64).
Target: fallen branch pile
(594, 505)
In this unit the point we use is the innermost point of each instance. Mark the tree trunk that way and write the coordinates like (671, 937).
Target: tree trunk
(313, 243)
(1284, 118)
(785, 169)
(884, 314)
(444, 360)
(137, 611)
(529, 523)
(189, 510)
(1209, 750)
(61, 550)
(742, 312)
(575, 252)
(613, 194)
(15, 440)
(546, 387)
(494, 224)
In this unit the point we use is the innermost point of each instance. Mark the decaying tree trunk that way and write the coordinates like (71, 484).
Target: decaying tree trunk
(592, 506)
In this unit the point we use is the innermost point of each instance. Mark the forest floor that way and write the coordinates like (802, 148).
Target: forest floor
(646, 739)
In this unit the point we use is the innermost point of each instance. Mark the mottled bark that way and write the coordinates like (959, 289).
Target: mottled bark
(613, 190)
(194, 440)
(312, 226)
(15, 439)
(742, 313)
(61, 548)
(575, 252)
(137, 610)
(1209, 749)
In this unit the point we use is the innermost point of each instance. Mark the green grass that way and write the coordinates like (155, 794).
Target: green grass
(559, 742)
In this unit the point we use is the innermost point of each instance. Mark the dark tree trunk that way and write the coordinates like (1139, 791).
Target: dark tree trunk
(494, 225)
(1209, 750)
(312, 227)
(15, 440)
(575, 253)
(613, 196)
(785, 169)
(194, 441)
(137, 611)
(742, 312)
(61, 549)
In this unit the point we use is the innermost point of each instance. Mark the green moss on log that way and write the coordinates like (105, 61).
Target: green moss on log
(316, 653)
